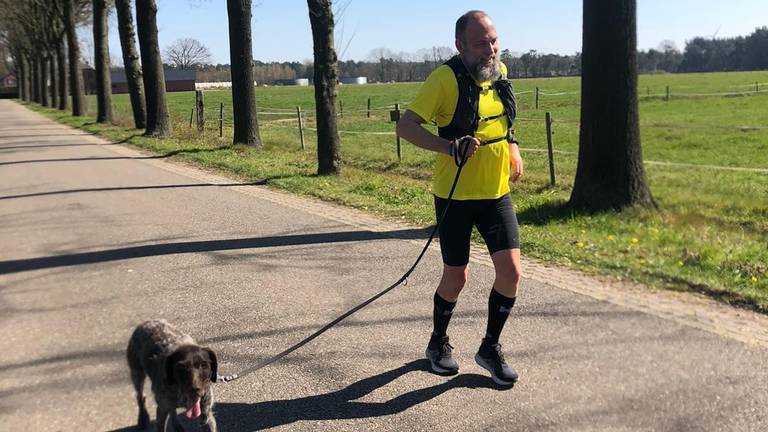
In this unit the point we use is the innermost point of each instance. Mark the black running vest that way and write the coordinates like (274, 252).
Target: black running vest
(466, 118)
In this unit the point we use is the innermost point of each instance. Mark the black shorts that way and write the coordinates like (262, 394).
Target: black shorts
(495, 219)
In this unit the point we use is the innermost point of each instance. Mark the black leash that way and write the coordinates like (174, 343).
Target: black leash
(460, 158)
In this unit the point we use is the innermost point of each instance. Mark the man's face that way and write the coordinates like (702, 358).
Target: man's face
(479, 49)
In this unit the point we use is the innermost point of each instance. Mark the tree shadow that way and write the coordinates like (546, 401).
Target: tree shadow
(110, 158)
(55, 261)
(342, 404)
(546, 213)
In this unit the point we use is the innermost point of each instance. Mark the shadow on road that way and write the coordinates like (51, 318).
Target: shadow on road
(127, 188)
(16, 266)
(341, 404)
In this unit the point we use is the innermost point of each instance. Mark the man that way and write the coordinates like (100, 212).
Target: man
(461, 97)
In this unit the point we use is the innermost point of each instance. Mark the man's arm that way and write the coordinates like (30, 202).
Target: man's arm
(409, 127)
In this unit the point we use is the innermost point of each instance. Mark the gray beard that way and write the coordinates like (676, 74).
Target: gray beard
(487, 73)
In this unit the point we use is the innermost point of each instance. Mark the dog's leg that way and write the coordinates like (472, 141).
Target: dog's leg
(207, 421)
(138, 377)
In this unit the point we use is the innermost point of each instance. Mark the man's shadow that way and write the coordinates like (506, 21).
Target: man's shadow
(341, 404)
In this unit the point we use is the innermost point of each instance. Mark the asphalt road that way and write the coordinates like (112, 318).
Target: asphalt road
(96, 237)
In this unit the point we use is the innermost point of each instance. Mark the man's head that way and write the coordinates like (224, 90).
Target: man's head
(478, 45)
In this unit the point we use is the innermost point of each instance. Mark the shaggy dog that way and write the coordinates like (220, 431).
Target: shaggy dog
(181, 372)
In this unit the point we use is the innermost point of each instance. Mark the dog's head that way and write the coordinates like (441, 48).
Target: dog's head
(191, 369)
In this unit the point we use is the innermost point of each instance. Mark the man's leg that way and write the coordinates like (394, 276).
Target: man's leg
(499, 228)
(455, 232)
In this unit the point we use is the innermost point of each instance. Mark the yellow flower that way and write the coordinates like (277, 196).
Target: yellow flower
(642, 261)
(583, 231)
(679, 263)
(754, 280)
(610, 237)
(634, 240)
(580, 244)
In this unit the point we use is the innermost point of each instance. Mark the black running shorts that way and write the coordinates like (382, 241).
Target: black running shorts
(495, 219)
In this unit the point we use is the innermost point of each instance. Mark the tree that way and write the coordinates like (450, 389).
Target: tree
(158, 119)
(101, 58)
(188, 53)
(610, 172)
(133, 73)
(75, 78)
(326, 79)
(241, 57)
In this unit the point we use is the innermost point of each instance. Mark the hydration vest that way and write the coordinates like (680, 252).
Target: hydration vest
(466, 118)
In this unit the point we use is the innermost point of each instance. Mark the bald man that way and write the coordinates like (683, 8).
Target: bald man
(462, 98)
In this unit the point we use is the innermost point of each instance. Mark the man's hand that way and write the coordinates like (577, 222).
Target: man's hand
(471, 144)
(516, 162)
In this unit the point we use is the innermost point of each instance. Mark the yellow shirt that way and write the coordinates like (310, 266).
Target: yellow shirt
(486, 174)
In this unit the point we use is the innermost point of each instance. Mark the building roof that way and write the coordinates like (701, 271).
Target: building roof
(170, 75)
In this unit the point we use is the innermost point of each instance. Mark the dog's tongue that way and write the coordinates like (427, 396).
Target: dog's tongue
(193, 409)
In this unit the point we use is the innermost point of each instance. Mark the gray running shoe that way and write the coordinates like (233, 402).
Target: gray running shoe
(439, 353)
(490, 357)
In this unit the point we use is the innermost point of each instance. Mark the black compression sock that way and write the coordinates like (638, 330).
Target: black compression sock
(441, 315)
(499, 307)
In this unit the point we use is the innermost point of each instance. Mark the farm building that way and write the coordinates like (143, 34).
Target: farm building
(175, 80)
(354, 80)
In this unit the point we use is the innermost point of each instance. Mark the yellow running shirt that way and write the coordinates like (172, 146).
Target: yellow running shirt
(486, 174)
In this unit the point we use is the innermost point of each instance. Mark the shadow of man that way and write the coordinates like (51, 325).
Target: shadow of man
(341, 404)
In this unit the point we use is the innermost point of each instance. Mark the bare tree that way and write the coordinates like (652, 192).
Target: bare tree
(188, 53)
(241, 58)
(158, 119)
(133, 73)
(610, 172)
(326, 79)
(101, 58)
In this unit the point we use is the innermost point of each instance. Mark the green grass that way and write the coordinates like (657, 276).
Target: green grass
(710, 234)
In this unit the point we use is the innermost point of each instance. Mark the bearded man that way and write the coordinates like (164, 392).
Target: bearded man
(462, 98)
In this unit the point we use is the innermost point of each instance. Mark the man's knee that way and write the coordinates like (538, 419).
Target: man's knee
(455, 277)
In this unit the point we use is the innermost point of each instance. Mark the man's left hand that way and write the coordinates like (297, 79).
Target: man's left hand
(516, 162)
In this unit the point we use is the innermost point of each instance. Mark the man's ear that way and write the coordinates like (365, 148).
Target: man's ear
(459, 45)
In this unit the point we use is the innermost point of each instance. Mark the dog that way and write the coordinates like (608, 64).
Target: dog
(181, 372)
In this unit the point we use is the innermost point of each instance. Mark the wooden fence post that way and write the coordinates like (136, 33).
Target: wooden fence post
(301, 126)
(667, 93)
(537, 98)
(341, 108)
(397, 114)
(191, 116)
(550, 150)
(369, 107)
(200, 105)
(757, 87)
(221, 120)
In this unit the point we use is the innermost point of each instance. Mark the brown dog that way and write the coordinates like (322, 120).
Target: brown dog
(181, 372)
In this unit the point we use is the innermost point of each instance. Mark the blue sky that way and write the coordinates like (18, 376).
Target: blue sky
(281, 30)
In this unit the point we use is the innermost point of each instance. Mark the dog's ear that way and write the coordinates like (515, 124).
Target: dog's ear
(214, 364)
(170, 362)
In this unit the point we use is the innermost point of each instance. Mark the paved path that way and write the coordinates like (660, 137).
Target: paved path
(97, 237)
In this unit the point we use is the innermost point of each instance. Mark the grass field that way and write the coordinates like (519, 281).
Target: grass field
(706, 161)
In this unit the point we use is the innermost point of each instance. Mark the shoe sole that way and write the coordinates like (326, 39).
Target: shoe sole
(481, 362)
(436, 368)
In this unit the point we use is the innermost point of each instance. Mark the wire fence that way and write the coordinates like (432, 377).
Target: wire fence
(296, 119)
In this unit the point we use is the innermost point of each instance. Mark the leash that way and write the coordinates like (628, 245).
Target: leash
(460, 158)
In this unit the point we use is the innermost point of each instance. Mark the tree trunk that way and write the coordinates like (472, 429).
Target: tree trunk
(36, 79)
(54, 82)
(101, 58)
(61, 63)
(131, 62)
(73, 48)
(23, 78)
(241, 57)
(610, 172)
(158, 120)
(326, 78)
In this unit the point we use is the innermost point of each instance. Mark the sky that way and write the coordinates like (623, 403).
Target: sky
(281, 29)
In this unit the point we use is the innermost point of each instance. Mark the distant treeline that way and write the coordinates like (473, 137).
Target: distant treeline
(700, 55)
